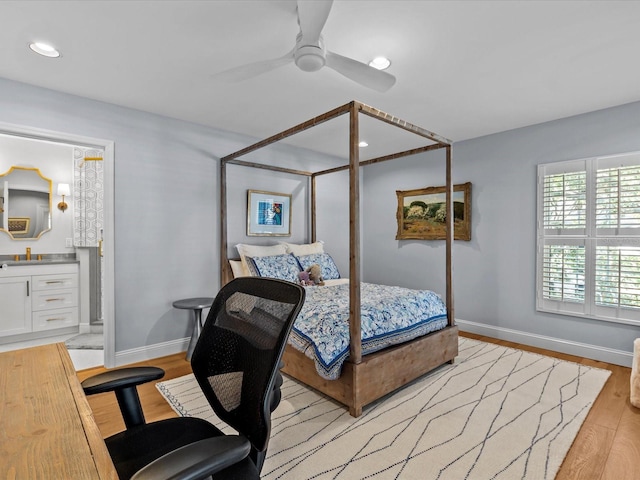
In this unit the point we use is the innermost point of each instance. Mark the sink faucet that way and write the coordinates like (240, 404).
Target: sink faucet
(28, 255)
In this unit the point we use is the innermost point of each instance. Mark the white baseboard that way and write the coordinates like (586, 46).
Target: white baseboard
(149, 352)
(602, 354)
(595, 352)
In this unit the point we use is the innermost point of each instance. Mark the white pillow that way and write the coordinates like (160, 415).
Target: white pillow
(236, 268)
(257, 251)
(304, 249)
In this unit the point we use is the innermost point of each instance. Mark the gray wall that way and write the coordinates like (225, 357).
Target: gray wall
(166, 214)
(494, 273)
(166, 204)
(332, 190)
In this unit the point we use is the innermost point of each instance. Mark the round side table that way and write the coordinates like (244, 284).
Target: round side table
(195, 304)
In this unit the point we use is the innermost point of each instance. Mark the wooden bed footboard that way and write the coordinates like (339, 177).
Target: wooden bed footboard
(379, 373)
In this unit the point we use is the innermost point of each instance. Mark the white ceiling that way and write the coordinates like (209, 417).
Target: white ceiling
(464, 69)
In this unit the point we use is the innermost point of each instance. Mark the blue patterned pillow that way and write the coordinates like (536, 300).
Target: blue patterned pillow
(327, 265)
(284, 267)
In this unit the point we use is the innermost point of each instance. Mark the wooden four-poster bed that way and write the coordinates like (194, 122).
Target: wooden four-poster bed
(364, 378)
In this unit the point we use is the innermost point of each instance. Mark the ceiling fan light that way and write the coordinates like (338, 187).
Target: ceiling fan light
(44, 49)
(310, 63)
(309, 58)
(380, 63)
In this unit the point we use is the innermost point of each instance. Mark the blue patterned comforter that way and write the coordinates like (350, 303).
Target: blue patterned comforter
(389, 315)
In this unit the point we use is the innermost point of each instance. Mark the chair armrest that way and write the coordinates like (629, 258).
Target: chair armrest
(197, 460)
(120, 378)
(123, 382)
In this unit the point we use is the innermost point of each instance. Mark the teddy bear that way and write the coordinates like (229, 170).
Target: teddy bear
(315, 274)
(303, 278)
(311, 276)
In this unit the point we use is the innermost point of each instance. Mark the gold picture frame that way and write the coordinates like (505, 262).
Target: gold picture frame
(19, 225)
(421, 213)
(268, 214)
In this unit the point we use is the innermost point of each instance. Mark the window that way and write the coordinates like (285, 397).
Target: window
(588, 256)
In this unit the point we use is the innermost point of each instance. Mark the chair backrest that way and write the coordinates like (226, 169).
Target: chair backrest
(237, 356)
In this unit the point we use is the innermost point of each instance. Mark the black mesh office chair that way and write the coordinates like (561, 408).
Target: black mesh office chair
(236, 362)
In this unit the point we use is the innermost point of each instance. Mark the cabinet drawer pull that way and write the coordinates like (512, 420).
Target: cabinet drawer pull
(49, 282)
(55, 319)
(54, 299)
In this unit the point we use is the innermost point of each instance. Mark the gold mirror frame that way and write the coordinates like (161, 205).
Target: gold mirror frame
(20, 224)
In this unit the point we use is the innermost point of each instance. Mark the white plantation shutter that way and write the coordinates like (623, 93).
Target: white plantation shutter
(589, 238)
(563, 273)
(617, 276)
(565, 200)
(618, 197)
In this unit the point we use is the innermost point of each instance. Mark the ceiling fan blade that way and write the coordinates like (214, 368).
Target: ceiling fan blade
(360, 72)
(312, 15)
(250, 70)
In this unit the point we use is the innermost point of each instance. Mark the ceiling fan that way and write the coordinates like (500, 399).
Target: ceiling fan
(310, 54)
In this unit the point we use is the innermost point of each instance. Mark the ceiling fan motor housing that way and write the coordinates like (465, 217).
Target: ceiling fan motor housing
(309, 58)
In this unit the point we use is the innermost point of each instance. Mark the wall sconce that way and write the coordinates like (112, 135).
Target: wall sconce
(63, 189)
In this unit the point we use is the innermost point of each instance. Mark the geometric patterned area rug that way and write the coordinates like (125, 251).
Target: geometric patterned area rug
(496, 413)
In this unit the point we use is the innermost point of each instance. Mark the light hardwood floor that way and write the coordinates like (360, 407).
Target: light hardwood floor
(606, 448)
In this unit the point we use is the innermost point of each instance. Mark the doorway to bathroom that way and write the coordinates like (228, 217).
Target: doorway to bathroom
(84, 231)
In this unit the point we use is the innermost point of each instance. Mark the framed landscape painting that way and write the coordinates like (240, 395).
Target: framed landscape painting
(268, 214)
(422, 213)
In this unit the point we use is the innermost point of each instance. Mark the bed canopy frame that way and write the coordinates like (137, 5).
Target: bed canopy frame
(363, 379)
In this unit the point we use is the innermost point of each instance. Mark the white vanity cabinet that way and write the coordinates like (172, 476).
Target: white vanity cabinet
(15, 305)
(38, 298)
(54, 300)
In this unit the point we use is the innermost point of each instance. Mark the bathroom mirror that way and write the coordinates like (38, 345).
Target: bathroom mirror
(25, 203)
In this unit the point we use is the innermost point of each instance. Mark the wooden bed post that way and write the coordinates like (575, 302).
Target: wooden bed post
(449, 272)
(355, 345)
(313, 209)
(225, 274)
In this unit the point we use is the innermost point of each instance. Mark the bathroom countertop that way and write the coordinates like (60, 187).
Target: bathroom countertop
(47, 259)
(44, 261)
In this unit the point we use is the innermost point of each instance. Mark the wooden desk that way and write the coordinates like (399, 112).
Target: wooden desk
(47, 429)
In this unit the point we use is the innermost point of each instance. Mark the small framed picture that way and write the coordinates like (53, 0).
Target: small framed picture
(19, 225)
(268, 214)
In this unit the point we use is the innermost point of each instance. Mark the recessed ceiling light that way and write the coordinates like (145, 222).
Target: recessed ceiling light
(381, 63)
(44, 49)
(363, 144)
